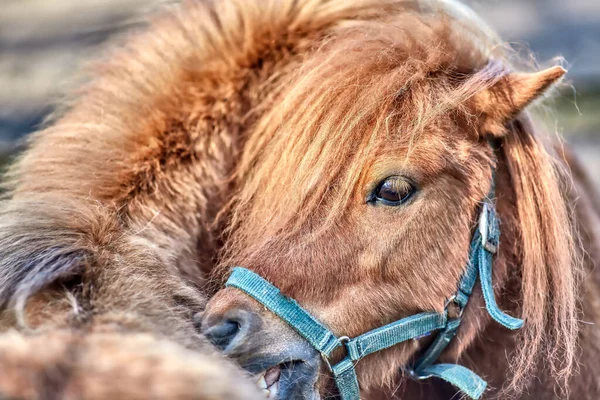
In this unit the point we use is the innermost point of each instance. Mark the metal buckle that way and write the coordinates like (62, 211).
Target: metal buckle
(484, 229)
(413, 375)
(342, 340)
(452, 299)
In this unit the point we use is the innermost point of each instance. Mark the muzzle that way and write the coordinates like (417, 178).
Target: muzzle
(484, 245)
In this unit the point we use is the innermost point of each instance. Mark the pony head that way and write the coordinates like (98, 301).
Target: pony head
(359, 193)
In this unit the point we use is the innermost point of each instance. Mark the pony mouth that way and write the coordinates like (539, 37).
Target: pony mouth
(284, 381)
(268, 381)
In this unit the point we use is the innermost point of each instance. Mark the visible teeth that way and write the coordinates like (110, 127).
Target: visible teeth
(274, 389)
(262, 384)
(268, 382)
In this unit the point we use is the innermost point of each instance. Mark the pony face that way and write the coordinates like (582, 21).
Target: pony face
(359, 194)
(398, 247)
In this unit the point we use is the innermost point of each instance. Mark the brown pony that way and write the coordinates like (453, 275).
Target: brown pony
(338, 148)
(358, 197)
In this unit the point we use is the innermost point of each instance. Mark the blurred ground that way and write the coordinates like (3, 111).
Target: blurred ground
(560, 28)
(42, 43)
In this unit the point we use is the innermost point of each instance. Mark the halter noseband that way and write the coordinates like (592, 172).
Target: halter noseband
(484, 245)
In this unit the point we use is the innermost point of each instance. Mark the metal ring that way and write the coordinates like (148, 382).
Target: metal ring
(343, 339)
(450, 300)
(412, 374)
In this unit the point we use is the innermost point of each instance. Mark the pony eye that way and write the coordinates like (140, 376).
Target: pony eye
(393, 191)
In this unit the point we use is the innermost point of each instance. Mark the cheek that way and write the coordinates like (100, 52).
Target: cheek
(420, 250)
(361, 307)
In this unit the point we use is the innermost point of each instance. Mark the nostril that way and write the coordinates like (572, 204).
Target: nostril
(223, 333)
(230, 330)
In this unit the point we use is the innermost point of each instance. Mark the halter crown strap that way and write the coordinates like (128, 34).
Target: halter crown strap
(483, 246)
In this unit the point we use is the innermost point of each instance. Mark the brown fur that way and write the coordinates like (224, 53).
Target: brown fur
(112, 365)
(115, 213)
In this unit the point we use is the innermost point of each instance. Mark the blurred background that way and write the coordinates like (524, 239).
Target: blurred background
(43, 42)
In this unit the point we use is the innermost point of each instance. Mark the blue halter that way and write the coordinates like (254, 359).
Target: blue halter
(483, 245)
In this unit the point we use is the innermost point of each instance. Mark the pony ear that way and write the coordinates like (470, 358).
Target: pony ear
(499, 103)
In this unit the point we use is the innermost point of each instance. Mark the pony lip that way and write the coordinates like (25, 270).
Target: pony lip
(291, 375)
(289, 380)
(268, 382)
(287, 371)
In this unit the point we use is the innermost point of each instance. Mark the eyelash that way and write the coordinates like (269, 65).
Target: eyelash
(373, 197)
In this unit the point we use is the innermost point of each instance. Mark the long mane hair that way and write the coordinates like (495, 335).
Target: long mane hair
(546, 246)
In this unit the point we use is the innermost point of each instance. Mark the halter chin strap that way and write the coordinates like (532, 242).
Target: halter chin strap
(483, 246)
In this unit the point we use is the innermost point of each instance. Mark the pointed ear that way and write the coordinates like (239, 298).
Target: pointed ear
(499, 103)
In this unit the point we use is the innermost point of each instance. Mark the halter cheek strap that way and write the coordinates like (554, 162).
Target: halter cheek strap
(483, 246)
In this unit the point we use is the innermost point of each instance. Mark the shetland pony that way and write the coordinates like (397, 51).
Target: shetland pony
(338, 148)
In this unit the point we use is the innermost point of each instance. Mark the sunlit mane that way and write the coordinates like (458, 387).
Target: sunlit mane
(362, 85)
